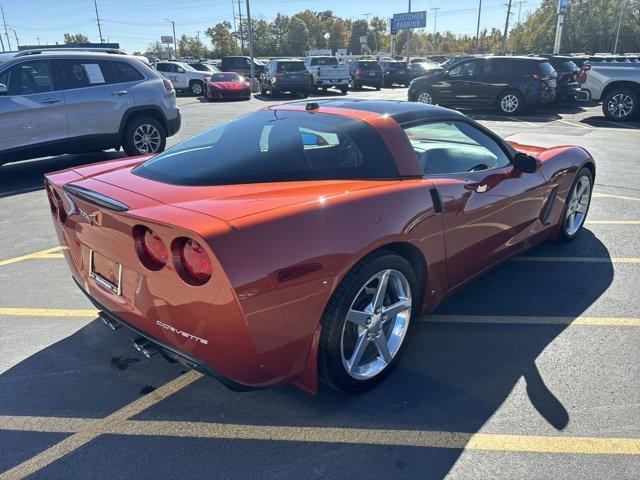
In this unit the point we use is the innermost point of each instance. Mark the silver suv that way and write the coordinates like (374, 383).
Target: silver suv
(69, 102)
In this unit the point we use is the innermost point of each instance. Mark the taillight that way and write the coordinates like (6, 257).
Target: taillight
(51, 198)
(358, 73)
(168, 86)
(195, 262)
(151, 250)
(583, 73)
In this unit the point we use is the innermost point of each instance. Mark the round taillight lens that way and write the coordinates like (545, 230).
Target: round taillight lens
(195, 261)
(154, 248)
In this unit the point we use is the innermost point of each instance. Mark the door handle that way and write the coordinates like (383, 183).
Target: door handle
(50, 100)
(118, 93)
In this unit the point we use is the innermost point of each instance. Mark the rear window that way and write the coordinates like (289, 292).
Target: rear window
(273, 146)
(546, 68)
(125, 72)
(564, 65)
(290, 66)
(323, 61)
(369, 65)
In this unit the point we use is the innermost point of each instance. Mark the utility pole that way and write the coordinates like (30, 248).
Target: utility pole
(15, 34)
(519, 12)
(1, 43)
(409, 41)
(254, 80)
(478, 28)
(506, 29)
(562, 9)
(241, 37)
(435, 17)
(615, 45)
(235, 27)
(38, 38)
(95, 4)
(173, 24)
(6, 32)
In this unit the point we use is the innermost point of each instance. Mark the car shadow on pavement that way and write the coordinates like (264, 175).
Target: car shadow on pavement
(452, 378)
(602, 121)
(27, 176)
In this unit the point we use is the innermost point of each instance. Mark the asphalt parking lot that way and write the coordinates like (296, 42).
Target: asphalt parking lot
(532, 371)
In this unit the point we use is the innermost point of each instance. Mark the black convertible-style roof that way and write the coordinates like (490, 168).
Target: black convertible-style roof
(401, 111)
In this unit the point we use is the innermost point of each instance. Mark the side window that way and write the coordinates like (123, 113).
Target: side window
(85, 73)
(463, 69)
(29, 78)
(454, 147)
(161, 67)
(125, 72)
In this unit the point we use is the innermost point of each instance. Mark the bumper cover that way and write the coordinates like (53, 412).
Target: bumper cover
(171, 352)
(173, 125)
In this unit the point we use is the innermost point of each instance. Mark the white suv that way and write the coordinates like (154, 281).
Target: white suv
(184, 76)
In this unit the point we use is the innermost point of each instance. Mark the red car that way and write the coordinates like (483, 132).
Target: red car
(303, 240)
(227, 85)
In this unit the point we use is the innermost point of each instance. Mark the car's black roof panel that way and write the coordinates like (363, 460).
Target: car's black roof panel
(401, 111)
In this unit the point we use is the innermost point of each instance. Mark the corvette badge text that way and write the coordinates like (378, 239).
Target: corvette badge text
(181, 332)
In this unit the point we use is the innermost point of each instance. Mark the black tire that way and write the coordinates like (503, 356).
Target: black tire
(128, 142)
(354, 85)
(378, 87)
(330, 364)
(344, 90)
(626, 96)
(263, 91)
(196, 87)
(506, 104)
(564, 234)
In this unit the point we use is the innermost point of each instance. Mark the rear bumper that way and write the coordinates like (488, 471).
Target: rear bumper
(173, 124)
(219, 93)
(397, 78)
(171, 352)
(292, 87)
(372, 82)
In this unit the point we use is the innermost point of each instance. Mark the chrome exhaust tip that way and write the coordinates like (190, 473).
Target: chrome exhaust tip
(112, 324)
(145, 347)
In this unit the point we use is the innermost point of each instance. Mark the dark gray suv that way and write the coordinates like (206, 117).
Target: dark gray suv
(69, 102)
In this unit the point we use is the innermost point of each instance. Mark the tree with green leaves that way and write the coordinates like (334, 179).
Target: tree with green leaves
(75, 38)
(298, 40)
(359, 28)
(221, 39)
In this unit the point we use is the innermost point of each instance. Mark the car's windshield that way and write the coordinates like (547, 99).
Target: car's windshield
(186, 66)
(225, 77)
(275, 145)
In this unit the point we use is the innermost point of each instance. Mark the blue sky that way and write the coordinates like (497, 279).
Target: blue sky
(137, 23)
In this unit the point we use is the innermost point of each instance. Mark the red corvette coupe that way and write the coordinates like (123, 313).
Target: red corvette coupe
(227, 85)
(303, 240)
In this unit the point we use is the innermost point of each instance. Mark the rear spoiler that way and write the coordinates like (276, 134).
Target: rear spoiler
(95, 197)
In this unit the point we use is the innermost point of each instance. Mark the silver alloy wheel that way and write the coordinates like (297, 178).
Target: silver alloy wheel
(509, 103)
(620, 105)
(196, 88)
(578, 205)
(376, 324)
(146, 138)
(425, 97)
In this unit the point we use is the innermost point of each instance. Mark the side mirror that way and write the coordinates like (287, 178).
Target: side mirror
(525, 163)
(3, 89)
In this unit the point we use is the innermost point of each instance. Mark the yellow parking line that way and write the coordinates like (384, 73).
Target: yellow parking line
(577, 259)
(534, 320)
(47, 312)
(98, 427)
(48, 253)
(87, 429)
(613, 222)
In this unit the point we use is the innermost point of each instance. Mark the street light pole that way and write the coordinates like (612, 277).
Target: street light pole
(173, 24)
(409, 40)
(435, 17)
(478, 28)
(519, 13)
(95, 4)
(615, 45)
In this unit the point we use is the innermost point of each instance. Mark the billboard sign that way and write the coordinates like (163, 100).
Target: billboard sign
(400, 21)
(166, 39)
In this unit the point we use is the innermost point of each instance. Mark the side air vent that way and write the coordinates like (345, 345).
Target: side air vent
(95, 197)
(548, 205)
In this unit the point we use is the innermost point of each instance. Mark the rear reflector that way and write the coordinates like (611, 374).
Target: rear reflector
(196, 262)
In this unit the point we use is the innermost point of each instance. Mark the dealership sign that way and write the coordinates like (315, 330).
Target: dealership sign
(400, 21)
(562, 7)
(166, 39)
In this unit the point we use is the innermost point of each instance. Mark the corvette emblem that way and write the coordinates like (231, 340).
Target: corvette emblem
(166, 326)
